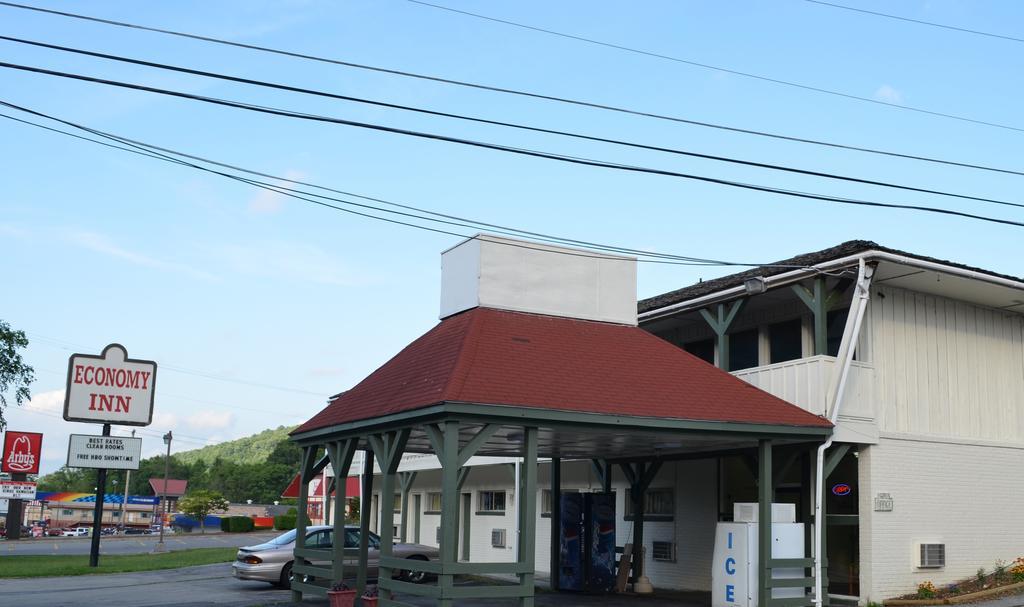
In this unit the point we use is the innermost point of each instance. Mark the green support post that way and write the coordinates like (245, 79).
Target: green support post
(764, 522)
(405, 481)
(389, 447)
(341, 454)
(305, 475)
(820, 301)
(639, 478)
(556, 522)
(450, 496)
(528, 519)
(720, 323)
(365, 510)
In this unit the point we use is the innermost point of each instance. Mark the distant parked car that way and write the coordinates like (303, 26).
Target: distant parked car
(137, 531)
(76, 531)
(272, 561)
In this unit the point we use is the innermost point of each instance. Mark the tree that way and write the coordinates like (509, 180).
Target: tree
(68, 479)
(15, 375)
(199, 504)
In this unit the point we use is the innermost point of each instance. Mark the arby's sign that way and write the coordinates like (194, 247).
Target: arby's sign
(22, 451)
(110, 388)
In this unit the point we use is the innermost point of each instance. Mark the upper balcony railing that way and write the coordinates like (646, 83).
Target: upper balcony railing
(805, 382)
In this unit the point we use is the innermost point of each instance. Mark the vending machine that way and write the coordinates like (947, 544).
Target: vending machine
(587, 542)
(735, 565)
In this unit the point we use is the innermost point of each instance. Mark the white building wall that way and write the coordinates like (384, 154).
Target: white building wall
(692, 527)
(964, 495)
(946, 368)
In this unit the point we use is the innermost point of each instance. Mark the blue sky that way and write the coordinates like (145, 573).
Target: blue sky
(215, 278)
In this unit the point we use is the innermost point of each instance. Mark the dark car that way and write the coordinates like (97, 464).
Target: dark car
(137, 531)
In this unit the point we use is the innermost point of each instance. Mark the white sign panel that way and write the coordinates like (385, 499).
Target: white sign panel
(883, 502)
(18, 490)
(110, 388)
(111, 452)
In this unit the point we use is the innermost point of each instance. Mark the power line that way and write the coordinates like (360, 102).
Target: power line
(521, 93)
(513, 150)
(64, 345)
(725, 70)
(164, 393)
(145, 149)
(918, 21)
(177, 437)
(518, 126)
(141, 152)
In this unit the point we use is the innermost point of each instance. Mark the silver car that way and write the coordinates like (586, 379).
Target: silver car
(272, 561)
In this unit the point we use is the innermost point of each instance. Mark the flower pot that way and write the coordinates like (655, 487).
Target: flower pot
(341, 598)
(370, 601)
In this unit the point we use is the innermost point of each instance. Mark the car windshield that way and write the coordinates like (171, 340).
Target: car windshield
(284, 538)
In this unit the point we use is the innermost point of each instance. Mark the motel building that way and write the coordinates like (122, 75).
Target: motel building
(70, 509)
(889, 383)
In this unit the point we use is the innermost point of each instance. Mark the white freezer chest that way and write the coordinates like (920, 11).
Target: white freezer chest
(734, 569)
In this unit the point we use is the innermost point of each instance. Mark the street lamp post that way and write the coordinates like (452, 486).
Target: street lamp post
(160, 547)
(124, 500)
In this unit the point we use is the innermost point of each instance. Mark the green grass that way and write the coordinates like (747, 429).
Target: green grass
(59, 565)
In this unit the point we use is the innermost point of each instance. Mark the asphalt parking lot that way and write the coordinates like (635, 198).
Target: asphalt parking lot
(132, 544)
(209, 585)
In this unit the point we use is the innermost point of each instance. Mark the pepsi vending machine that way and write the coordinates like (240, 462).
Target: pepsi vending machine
(587, 542)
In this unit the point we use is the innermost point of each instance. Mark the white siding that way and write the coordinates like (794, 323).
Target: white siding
(965, 496)
(692, 527)
(946, 368)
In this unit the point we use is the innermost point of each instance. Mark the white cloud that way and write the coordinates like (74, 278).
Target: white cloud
(209, 420)
(50, 402)
(889, 94)
(286, 260)
(101, 244)
(164, 420)
(267, 201)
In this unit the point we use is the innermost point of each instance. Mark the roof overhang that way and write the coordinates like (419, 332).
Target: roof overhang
(572, 434)
(904, 271)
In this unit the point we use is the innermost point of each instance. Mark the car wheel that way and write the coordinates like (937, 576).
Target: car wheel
(415, 577)
(286, 576)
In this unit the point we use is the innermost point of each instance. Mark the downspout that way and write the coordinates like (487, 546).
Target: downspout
(864, 274)
(517, 479)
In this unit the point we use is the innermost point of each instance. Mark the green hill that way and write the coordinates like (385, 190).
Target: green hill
(249, 450)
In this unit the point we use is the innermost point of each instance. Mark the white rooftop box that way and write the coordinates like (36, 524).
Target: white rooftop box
(496, 272)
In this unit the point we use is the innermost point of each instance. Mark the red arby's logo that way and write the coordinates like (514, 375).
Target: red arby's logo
(21, 452)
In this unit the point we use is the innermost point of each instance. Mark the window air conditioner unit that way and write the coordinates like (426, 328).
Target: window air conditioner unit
(664, 551)
(498, 538)
(931, 556)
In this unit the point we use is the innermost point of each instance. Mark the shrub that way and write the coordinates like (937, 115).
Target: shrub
(236, 524)
(284, 522)
(980, 576)
(926, 590)
(1017, 569)
(999, 572)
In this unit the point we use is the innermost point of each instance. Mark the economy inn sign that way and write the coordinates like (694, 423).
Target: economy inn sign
(110, 388)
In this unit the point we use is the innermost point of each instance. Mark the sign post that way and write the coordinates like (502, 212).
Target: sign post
(107, 389)
(97, 511)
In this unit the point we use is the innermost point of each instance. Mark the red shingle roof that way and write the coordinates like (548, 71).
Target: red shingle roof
(498, 357)
(292, 490)
(175, 488)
